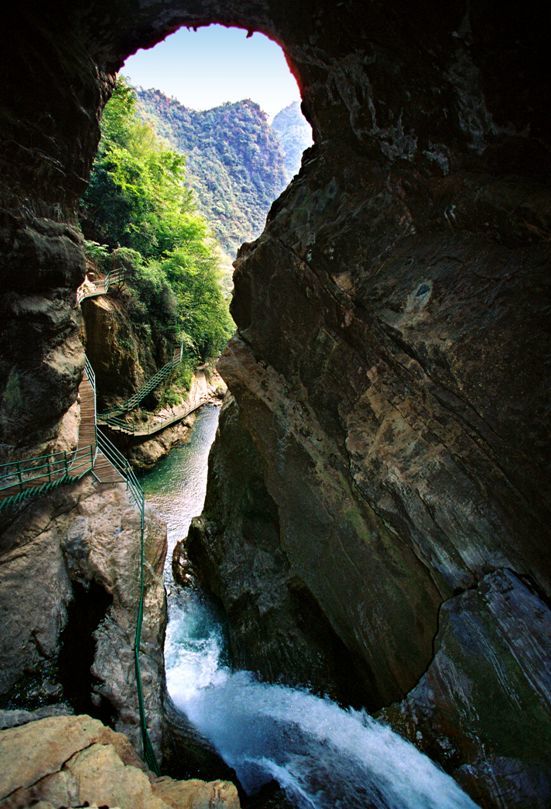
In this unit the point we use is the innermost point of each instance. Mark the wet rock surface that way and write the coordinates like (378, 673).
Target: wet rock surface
(186, 753)
(482, 706)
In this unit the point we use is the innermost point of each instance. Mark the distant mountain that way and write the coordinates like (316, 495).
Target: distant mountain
(234, 162)
(294, 135)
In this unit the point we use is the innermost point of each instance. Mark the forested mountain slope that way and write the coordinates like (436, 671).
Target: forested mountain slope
(234, 162)
(294, 135)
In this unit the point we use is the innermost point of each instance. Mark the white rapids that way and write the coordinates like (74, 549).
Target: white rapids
(323, 756)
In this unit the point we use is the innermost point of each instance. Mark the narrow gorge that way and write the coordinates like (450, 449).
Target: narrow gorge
(376, 526)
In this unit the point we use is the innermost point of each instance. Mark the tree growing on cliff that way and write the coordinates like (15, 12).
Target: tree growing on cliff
(137, 199)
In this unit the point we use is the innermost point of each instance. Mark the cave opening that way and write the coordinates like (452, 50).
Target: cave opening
(209, 75)
(85, 612)
(421, 142)
(241, 137)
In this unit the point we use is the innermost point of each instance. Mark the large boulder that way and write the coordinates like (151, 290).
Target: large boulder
(77, 761)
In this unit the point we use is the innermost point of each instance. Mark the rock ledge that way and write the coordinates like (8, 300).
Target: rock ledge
(76, 760)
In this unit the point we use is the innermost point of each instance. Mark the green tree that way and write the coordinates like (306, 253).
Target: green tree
(205, 321)
(138, 204)
(137, 195)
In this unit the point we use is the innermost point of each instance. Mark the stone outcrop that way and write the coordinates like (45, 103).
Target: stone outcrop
(145, 454)
(389, 362)
(236, 552)
(482, 706)
(69, 575)
(77, 761)
(121, 361)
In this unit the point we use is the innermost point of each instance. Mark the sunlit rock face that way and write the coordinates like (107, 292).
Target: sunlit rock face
(388, 367)
(80, 762)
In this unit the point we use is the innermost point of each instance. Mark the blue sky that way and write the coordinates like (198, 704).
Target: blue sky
(216, 64)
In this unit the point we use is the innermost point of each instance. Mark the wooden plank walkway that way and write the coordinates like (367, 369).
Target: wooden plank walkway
(43, 473)
(48, 470)
(87, 427)
(104, 470)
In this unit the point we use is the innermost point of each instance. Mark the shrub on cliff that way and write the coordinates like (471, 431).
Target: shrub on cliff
(138, 204)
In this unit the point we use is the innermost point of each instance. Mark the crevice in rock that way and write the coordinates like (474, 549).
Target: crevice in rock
(457, 593)
(77, 650)
(533, 586)
(354, 682)
(45, 775)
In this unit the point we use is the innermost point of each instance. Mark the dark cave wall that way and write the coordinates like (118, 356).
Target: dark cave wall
(392, 83)
(389, 365)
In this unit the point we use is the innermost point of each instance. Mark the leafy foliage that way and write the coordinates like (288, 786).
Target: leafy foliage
(234, 162)
(138, 204)
(136, 197)
(97, 253)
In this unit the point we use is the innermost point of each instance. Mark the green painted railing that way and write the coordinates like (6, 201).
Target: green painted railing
(123, 466)
(30, 477)
(112, 278)
(117, 459)
(146, 388)
(91, 376)
(139, 430)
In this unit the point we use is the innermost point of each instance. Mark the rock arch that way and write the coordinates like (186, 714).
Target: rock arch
(399, 434)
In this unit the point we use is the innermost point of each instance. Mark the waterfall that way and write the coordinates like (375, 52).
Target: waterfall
(323, 756)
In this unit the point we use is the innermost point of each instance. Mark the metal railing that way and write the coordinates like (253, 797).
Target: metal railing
(112, 278)
(30, 477)
(122, 465)
(121, 426)
(150, 385)
(33, 476)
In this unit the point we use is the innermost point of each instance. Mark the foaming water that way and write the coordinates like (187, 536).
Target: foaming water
(323, 756)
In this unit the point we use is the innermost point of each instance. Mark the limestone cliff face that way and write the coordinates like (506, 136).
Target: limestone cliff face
(382, 402)
(393, 404)
(69, 573)
(388, 367)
